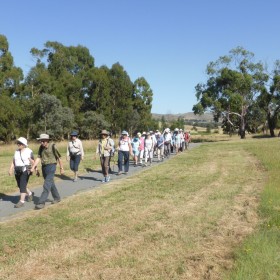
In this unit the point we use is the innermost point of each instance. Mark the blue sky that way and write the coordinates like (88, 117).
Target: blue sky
(168, 42)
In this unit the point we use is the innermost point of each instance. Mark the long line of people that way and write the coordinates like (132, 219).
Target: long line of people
(143, 148)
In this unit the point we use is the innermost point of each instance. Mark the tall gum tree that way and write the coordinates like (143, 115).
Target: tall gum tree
(234, 82)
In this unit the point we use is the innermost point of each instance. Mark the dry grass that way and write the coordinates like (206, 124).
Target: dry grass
(180, 220)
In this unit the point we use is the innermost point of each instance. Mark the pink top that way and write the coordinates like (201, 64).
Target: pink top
(142, 143)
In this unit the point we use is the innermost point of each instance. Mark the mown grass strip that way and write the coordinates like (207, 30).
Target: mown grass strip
(178, 220)
(259, 256)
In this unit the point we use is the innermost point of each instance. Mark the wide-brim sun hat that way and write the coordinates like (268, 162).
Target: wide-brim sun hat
(104, 132)
(43, 136)
(23, 141)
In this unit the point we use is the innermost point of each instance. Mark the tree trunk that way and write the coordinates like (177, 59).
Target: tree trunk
(271, 122)
(242, 127)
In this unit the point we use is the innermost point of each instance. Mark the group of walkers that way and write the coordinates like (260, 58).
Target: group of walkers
(143, 147)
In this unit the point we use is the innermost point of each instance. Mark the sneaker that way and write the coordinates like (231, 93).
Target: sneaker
(104, 180)
(119, 173)
(19, 204)
(75, 179)
(56, 201)
(125, 173)
(107, 179)
(40, 206)
(30, 197)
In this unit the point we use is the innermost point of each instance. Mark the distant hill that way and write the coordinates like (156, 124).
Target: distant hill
(207, 117)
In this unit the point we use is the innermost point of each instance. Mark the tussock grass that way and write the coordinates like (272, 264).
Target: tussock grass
(179, 220)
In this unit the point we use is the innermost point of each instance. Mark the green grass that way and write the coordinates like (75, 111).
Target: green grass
(259, 257)
(193, 217)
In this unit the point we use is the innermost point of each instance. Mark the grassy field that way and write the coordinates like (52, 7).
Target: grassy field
(209, 213)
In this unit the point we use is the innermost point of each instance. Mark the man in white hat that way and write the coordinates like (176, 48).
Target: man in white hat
(23, 158)
(49, 157)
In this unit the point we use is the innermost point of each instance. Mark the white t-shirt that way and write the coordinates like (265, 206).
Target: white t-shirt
(21, 158)
(124, 144)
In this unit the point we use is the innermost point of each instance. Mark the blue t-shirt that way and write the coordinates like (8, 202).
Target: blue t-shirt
(135, 143)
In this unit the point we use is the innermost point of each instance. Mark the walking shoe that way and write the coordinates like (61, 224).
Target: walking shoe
(40, 206)
(75, 179)
(108, 178)
(125, 173)
(119, 173)
(30, 197)
(56, 201)
(104, 180)
(19, 204)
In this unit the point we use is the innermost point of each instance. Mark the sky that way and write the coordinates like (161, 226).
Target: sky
(168, 42)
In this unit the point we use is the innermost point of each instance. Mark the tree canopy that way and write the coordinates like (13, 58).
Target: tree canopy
(236, 91)
(64, 90)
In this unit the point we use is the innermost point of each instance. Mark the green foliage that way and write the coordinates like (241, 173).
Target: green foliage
(231, 89)
(68, 75)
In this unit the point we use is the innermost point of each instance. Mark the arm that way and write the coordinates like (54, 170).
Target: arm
(82, 150)
(11, 170)
(60, 165)
(35, 164)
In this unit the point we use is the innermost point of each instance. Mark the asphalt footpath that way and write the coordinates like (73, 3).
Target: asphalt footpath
(66, 187)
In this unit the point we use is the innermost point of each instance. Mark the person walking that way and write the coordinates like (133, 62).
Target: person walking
(124, 150)
(142, 147)
(160, 146)
(20, 167)
(49, 156)
(136, 147)
(149, 149)
(103, 149)
(75, 152)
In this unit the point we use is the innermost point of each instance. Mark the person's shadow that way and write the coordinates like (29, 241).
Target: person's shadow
(12, 198)
(15, 198)
(63, 177)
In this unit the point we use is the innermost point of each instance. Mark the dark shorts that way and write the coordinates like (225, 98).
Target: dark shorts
(74, 162)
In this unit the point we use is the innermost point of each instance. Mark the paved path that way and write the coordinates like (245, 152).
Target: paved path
(67, 187)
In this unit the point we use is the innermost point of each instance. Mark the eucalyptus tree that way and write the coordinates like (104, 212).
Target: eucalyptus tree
(69, 69)
(91, 125)
(234, 82)
(10, 75)
(52, 117)
(98, 94)
(121, 90)
(10, 87)
(269, 99)
(142, 99)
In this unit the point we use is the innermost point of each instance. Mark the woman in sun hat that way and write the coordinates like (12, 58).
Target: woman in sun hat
(135, 143)
(124, 150)
(104, 149)
(75, 152)
(20, 166)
